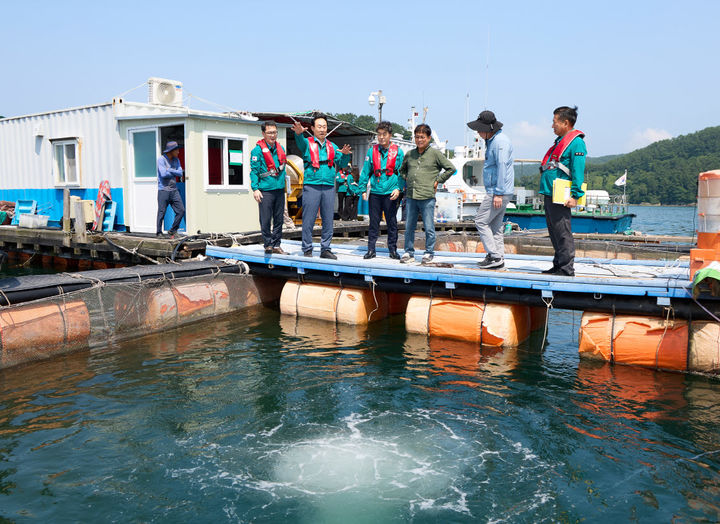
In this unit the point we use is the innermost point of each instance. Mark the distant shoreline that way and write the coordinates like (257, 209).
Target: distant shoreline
(646, 204)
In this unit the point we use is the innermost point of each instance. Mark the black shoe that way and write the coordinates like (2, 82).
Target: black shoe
(307, 253)
(328, 254)
(268, 250)
(394, 255)
(491, 263)
(553, 270)
(369, 254)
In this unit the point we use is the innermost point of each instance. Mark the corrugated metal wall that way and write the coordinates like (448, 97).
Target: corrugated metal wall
(26, 159)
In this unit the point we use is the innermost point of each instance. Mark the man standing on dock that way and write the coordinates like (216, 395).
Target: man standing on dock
(564, 160)
(423, 168)
(499, 181)
(321, 158)
(267, 180)
(381, 167)
(168, 166)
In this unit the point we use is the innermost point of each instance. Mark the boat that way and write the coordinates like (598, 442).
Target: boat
(463, 193)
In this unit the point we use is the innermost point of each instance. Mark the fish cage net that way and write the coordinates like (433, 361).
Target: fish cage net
(109, 312)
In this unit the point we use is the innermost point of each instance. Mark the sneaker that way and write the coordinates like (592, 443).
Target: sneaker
(369, 255)
(394, 255)
(328, 254)
(491, 263)
(268, 250)
(407, 258)
(427, 258)
(307, 253)
(278, 251)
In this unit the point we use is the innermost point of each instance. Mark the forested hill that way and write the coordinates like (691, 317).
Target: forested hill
(664, 172)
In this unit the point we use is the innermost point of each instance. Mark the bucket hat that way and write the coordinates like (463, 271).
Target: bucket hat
(485, 122)
(170, 146)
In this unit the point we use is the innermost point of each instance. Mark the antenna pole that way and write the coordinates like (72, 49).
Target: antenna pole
(487, 69)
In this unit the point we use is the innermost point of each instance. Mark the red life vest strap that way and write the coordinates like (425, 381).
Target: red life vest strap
(267, 155)
(315, 152)
(552, 157)
(391, 160)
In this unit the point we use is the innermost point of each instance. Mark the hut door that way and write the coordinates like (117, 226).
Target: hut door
(143, 153)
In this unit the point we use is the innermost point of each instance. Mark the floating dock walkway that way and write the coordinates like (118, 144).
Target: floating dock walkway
(645, 287)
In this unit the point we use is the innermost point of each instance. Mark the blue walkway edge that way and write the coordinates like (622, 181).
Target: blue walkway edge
(523, 272)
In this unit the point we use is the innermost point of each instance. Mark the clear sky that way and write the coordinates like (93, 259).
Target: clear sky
(639, 71)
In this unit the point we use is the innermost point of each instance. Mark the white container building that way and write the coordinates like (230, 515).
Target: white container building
(120, 141)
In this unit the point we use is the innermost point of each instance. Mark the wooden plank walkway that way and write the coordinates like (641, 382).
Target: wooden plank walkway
(630, 286)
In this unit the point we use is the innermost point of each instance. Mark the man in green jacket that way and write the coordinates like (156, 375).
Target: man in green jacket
(267, 181)
(423, 168)
(381, 167)
(565, 159)
(321, 158)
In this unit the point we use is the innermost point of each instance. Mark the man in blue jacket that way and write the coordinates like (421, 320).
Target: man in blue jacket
(499, 181)
(321, 159)
(168, 166)
(381, 168)
(267, 180)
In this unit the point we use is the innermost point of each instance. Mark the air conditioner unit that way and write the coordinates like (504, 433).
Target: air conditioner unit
(164, 92)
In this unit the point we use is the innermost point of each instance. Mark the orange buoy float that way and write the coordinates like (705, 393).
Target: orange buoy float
(641, 341)
(495, 325)
(704, 347)
(33, 331)
(336, 304)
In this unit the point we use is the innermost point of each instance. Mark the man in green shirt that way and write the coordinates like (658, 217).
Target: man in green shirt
(423, 168)
(565, 159)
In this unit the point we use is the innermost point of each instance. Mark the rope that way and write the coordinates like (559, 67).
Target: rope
(96, 281)
(337, 300)
(132, 252)
(667, 323)
(28, 260)
(548, 306)
(482, 317)
(7, 300)
(703, 307)
(131, 90)
(427, 321)
(612, 337)
(377, 306)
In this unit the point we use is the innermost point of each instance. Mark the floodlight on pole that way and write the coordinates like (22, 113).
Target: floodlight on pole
(377, 96)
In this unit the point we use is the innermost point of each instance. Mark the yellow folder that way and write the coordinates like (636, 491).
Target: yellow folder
(561, 192)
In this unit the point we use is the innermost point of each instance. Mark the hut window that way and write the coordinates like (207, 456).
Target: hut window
(226, 162)
(66, 162)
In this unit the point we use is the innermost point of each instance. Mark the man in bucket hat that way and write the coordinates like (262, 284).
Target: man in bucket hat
(168, 166)
(499, 181)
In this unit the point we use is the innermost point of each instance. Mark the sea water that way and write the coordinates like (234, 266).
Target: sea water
(259, 417)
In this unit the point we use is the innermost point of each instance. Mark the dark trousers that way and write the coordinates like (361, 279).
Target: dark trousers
(173, 198)
(342, 205)
(351, 203)
(557, 217)
(320, 197)
(377, 205)
(271, 210)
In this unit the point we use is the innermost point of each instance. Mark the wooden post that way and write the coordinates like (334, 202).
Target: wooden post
(66, 217)
(80, 230)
